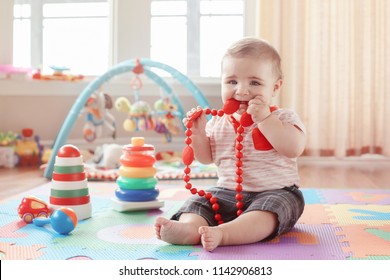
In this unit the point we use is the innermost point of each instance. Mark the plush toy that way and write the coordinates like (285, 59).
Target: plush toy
(166, 122)
(107, 156)
(97, 108)
(139, 114)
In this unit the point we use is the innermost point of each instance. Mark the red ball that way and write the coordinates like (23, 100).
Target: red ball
(69, 151)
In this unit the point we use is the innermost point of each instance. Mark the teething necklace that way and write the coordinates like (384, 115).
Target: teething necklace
(229, 108)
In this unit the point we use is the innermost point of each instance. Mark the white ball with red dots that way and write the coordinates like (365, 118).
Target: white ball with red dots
(69, 155)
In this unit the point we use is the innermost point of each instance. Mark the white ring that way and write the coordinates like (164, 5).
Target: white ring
(83, 211)
(69, 185)
(64, 161)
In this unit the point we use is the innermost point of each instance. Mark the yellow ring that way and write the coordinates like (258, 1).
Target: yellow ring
(137, 172)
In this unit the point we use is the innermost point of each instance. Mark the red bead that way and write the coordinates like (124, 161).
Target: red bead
(194, 190)
(186, 178)
(220, 222)
(207, 111)
(239, 205)
(188, 132)
(239, 138)
(214, 112)
(187, 170)
(213, 200)
(220, 113)
(239, 146)
(188, 155)
(238, 188)
(239, 212)
(239, 179)
(215, 206)
(239, 197)
(239, 171)
(239, 155)
(218, 217)
(188, 186)
(208, 196)
(239, 163)
(188, 141)
(189, 124)
(240, 129)
(201, 193)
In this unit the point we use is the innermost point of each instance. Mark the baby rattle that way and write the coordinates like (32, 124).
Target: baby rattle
(230, 106)
(63, 220)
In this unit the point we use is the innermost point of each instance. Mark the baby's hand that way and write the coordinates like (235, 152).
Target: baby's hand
(198, 119)
(258, 110)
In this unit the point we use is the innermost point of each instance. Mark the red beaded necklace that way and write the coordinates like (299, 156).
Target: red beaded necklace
(230, 106)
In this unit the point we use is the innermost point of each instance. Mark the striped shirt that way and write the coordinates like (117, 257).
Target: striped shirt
(262, 169)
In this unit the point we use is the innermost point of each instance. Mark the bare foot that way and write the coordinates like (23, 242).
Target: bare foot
(176, 232)
(211, 237)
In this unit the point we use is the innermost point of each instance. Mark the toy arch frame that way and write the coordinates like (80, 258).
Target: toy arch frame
(121, 68)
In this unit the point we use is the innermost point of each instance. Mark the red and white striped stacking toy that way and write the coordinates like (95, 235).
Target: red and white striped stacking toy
(69, 185)
(137, 180)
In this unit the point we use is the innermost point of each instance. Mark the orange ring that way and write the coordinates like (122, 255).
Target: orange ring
(70, 200)
(137, 160)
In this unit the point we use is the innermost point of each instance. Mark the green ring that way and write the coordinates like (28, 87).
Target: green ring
(136, 183)
(68, 169)
(69, 193)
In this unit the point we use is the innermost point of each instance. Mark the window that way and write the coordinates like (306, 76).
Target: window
(72, 34)
(192, 35)
(89, 36)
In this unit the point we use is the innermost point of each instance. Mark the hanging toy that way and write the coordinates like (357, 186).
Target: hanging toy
(166, 122)
(139, 113)
(97, 108)
(260, 143)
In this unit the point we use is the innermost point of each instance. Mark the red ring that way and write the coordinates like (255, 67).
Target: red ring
(69, 177)
(70, 200)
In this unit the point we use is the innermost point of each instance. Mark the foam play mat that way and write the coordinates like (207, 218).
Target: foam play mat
(336, 225)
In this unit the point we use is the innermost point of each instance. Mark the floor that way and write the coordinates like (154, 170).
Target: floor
(314, 173)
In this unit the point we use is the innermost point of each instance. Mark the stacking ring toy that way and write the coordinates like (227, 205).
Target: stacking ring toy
(136, 183)
(136, 195)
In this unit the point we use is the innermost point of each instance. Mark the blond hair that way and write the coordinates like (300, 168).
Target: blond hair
(256, 48)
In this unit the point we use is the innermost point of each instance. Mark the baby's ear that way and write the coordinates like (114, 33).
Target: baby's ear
(278, 84)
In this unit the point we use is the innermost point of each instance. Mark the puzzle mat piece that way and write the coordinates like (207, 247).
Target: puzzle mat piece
(12, 251)
(313, 196)
(304, 242)
(10, 230)
(370, 215)
(315, 214)
(364, 242)
(347, 196)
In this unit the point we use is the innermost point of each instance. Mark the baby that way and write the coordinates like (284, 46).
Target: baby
(271, 199)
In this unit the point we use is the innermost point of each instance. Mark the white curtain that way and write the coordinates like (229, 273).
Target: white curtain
(336, 61)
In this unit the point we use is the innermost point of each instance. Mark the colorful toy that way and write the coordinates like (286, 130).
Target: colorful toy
(28, 148)
(118, 69)
(139, 113)
(32, 207)
(69, 185)
(137, 179)
(97, 108)
(58, 75)
(260, 142)
(63, 220)
(166, 113)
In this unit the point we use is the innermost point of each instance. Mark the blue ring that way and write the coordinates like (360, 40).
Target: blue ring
(136, 195)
